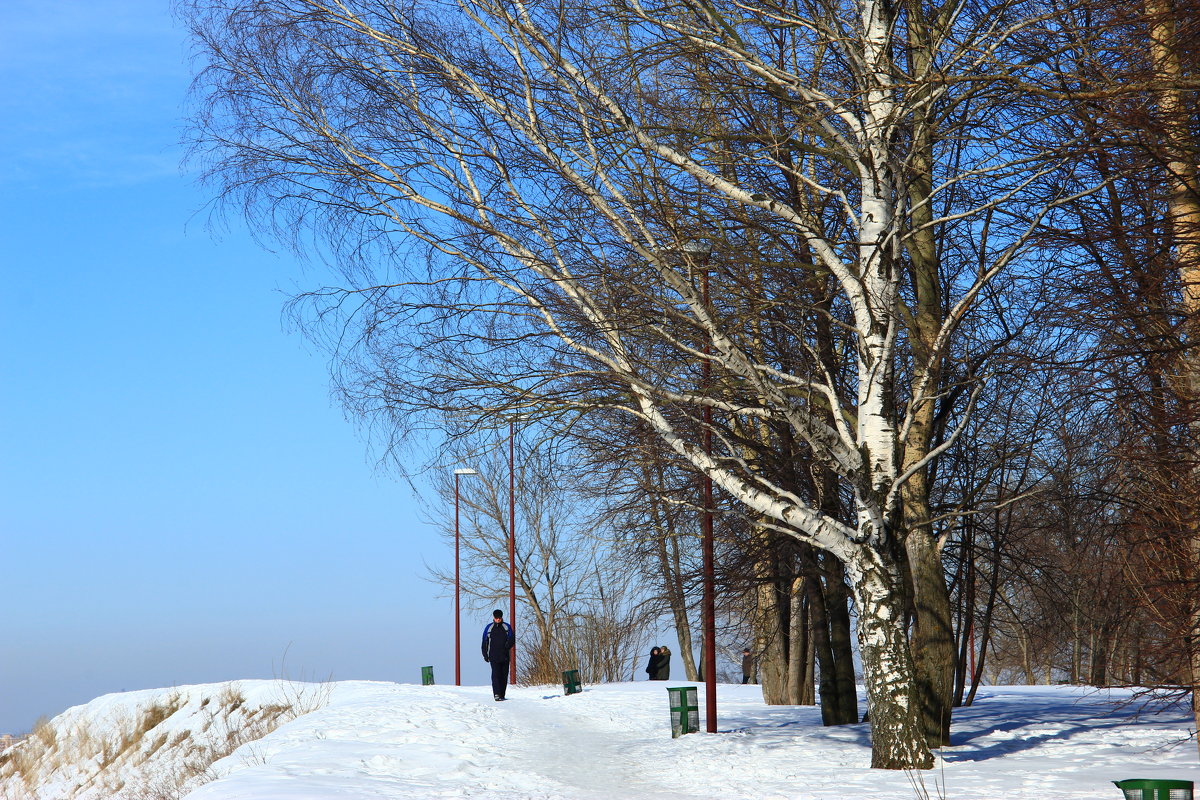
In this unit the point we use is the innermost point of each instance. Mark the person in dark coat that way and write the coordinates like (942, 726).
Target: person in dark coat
(664, 664)
(747, 665)
(497, 650)
(654, 665)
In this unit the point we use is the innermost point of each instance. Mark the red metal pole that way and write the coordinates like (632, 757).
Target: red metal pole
(971, 607)
(512, 559)
(457, 615)
(971, 630)
(710, 624)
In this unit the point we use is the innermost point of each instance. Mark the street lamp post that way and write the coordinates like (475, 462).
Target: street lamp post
(458, 473)
(701, 251)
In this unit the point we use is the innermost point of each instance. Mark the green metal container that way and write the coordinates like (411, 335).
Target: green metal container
(571, 683)
(1141, 789)
(685, 711)
(427, 676)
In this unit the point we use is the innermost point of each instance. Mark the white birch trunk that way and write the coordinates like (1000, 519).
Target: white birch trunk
(897, 741)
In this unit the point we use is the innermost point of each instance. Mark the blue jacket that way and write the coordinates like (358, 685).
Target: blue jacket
(497, 641)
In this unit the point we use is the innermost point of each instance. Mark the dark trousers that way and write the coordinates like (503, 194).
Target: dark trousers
(499, 677)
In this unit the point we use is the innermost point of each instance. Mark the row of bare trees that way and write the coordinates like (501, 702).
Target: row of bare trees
(579, 608)
(911, 282)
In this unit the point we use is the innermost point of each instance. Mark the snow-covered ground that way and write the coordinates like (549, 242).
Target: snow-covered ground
(384, 740)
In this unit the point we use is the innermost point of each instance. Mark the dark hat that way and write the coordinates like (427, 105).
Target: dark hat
(497, 613)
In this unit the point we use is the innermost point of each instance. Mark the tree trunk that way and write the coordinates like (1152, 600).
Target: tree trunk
(771, 645)
(1100, 657)
(800, 647)
(985, 626)
(798, 616)
(966, 615)
(932, 636)
(1026, 661)
(897, 735)
(1076, 656)
(831, 701)
(933, 630)
(667, 550)
(841, 643)
(679, 613)
(1175, 108)
(829, 602)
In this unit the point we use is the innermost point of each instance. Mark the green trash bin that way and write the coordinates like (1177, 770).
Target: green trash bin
(571, 683)
(685, 712)
(1141, 789)
(427, 676)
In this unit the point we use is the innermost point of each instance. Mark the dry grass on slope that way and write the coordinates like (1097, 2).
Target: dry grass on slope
(161, 751)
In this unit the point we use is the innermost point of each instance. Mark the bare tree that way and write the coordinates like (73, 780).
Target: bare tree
(578, 608)
(1136, 249)
(537, 175)
(649, 500)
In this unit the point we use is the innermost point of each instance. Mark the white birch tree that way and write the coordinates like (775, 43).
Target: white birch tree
(516, 190)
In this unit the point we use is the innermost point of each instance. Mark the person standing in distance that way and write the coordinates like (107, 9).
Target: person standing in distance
(654, 664)
(497, 649)
(747, 665)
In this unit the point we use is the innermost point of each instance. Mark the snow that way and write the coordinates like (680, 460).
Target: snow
(386, 740)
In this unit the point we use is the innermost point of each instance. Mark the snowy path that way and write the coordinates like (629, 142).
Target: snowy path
(402, 742)
(399, 741)
(564, 741)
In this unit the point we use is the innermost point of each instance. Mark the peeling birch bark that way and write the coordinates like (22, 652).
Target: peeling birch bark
(883, 643)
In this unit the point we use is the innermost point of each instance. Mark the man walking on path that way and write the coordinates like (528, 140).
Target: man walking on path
(497, 648)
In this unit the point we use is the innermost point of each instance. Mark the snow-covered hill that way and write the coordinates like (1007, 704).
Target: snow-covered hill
(157, 744)
(383, 740)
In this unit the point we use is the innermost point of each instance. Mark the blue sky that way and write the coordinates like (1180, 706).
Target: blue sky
(181, 500)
